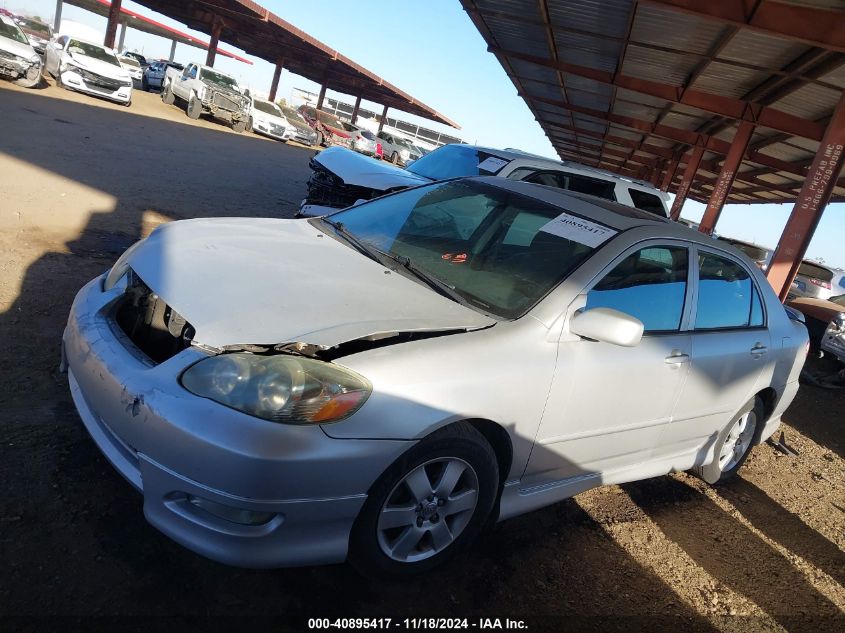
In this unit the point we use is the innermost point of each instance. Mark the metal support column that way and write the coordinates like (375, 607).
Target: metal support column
(57, 18)
(322, 96)
(815, 194)
(671, 168)
(277, 73)
(216, 29)
(355, 109)
(122, 37)
(111, 25)
(383, 120)
(686, 182)
(172, 50)
(726, 177)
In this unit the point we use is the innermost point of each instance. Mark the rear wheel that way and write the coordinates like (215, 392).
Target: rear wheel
(167, 95)
(394, 158)
(430, 504)
(194, 107)
(734, 443)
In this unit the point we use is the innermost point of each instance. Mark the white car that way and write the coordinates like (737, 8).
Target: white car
(341, 177)
(202, 89)
(133, 67)
(18, 60)
(91, 68)
(266, 118)
(380, 384)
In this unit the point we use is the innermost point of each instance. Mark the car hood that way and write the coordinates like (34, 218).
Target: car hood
(16, 48)
(269, 118)
(362, 171)
(302, 127)
(99, 67)
(242, 281)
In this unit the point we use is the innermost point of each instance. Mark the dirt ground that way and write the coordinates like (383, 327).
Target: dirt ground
(81, 179)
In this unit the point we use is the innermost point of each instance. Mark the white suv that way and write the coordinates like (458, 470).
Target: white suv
(341, 177)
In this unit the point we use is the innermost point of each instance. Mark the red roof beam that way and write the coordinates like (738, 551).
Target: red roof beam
(812, 25)
(714, 104)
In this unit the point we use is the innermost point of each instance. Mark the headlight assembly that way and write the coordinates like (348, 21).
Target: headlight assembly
(281, 388)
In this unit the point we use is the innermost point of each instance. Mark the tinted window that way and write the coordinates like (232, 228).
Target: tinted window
(725, 293)
(651, 285)
(591, 186)
(548, 178)
(815, 272)
(647, 202)
(497, 249)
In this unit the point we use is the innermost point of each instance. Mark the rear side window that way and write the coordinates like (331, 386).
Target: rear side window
(650, 285)
(564, 180)
(727, 297)
(648, 202)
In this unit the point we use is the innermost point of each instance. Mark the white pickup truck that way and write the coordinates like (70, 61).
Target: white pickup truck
(203, 89)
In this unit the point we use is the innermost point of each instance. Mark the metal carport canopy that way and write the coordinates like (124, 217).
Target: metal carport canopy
(635, 86)
(142, 23)
(257, 31)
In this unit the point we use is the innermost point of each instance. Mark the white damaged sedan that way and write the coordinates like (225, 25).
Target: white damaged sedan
(380, 384)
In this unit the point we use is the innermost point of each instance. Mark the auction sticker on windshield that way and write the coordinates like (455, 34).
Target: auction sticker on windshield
(491, 164)
(578, 230)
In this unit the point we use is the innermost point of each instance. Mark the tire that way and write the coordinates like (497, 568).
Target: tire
(239, 126)
(394, 158)
(144, 85)
(194, 107)
(167, 95)
(734, 443)
(424, 535)
(59, 83)
(321, 140)
(249, 125)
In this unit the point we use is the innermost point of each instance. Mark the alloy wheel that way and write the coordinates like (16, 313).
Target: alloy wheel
(738, 441)
(428, 509)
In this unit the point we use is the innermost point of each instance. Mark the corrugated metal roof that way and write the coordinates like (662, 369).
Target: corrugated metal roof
(656, 80)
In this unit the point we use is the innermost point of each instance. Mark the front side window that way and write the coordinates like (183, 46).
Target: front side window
(650, 284)
(727, 297)
(500, 251)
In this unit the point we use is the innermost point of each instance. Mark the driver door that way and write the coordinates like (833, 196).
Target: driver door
(609, 405)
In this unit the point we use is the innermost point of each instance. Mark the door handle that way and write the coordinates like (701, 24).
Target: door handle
(676, 358)
(758, 350)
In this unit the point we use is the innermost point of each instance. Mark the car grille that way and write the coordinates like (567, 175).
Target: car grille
(277, 129)
(224, 102)
(104, 83)
(154, 327)
(326, 189)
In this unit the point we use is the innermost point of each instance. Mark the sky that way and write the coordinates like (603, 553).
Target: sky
(432, 51)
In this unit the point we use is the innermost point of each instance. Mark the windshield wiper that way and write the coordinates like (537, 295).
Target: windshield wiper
(435, 283)
(359, 245)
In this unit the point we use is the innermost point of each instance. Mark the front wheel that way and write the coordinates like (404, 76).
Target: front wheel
(194, 107)
(321, 140)
(734, 443)
(167, 95)
(430, 504)
(239, 126)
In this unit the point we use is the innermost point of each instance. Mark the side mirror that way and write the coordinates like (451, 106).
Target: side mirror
(358, 201)
(608, 326)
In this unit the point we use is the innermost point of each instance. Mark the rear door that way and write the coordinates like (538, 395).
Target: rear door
(732, 355)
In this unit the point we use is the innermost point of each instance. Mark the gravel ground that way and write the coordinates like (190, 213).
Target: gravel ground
(80, 179)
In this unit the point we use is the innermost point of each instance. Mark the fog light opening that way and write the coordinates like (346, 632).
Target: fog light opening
(229, 513)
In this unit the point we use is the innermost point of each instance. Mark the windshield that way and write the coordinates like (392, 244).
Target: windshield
(754, 252)
(12, 32)
(35, 27)
(267, 107)
(128, 61)
(292, 115)
(93, 51)
(499, 251)
(454, 161)
(224, 81)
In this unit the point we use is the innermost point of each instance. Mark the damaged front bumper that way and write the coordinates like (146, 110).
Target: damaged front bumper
(98, 86)
(15, 67)
(229, 486)
(325, 189)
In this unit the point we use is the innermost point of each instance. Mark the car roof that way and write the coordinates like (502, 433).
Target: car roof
(613, 214)
(512, 154)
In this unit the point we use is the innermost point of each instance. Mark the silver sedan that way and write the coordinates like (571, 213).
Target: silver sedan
(379, 384)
